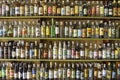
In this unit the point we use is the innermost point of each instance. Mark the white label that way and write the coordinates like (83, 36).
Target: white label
(40, 11)
(66, 30)
(59, 73)
(60, 53)
(77, 74)
(51, 74)
(64, 73)
(68, 53)
(37, 30)
(64, 53)
(35, 9)
(15, 75)
(24, 75)
(17, 10)
(68, 73)
(7, 8)
(104, 54)
(103, 73)
(19, 75)
(55, 74)
(90, 73)
(29, 75)
(13, 54)
(82, 53)
(99, 74)
(56, 30)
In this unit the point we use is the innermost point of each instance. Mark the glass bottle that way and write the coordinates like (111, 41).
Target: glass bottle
(73, 50)
(68, 71)
(113, 30)
(116, 51)
(52, 30)
(37, 30)
(64, 50)
(73, 72)
(5, 50)
(48, 29)
(99, 71)
(106, 10)
(46, 72)
(104, 72)
(95, 52)
(84, 30)
(45, 51)
(72, 9)
(50, 52)
(35, 50)
(3, 8)
(29, 72)
(110, 30)
(101, 9)
(55, 71)
(77, 47)
(76, 7)
(67, 8)
(49, 8)
(51, 72)
(45, 7)
(22, 8)
(14, 31)
(79, 29)
(24, 73)
(69, 52)
(59, 8)
(71, 29)
(5, 28)
(118, 8)
(89, 29)
(90, 71)
(86, 51)
(60, 52)
(0, 8)
(63, 7)
(40, 9)
(115, 8)
(118, 71)
(29, 8)
(27, 50)
(93, 11)
(93, 29)
(77, 71)
(33, 71)
(36, 7)
(82, 51)
(43, 26)
(80, 8)
(7, 8)
(64, 71)
(40, 50)
(61, 29)
(97, 30)
(57, 29)
(97, 8)
(85, 9)
(18, 50)
(38, 71)
(112, 51)
(24, 30)
(85, 71)
(109, 71)
(60, 71)
(105, 30)
(3, 71)
(117, 30)
(10, 31)
(17, 8)
(1, 50)
(89, 8)
(104, 51)
(66, 33)
(82, 71)
(1, 28)
(75, 26)
(42, 71)
(110, 9)
(16, 68)
(54, 8)
(114, 72)
(20, 76)
(95, 71)
(101, 27)
(32, 25)
(55, 50)
(19, 29)
(22, 49)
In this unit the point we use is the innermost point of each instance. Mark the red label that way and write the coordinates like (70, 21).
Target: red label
(49, 10)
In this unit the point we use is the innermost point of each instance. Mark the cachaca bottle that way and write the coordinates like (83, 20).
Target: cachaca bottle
(114, 72)
(71, 29)
(95, 71)
(60, 72)
(57, 30)
(101, 27)
(45, 7)
(7, 8)
(82, 51)
(40, 51)
(45, 51)
(20, 70)
(85, 71)
(89, 8)
(67, 8)
(46, 77)
(89, 29)
(60, 52)
(85, 9)
(52, 29)
(93, 10)
(106, 8)
(72, 9)
(30, 8)
(29, 72)
(51, 72)
(84, 30)
(54, 8)
(108, 50)
(64, 76)
(38, 71)
(90, 71)
(73, 75)
(50, 51)
(113, 51)
(104, 51)
(49, 8)
(75, 31)
(63, 8)
(58, 8)
(66, 32)
(68, 71)
(61, 29)
(109, 71)
(99, 71)
(99, 51)
(36, 7)
(40, 9)
(97, 8)
(3, 71)
(101, 9)
(76, 7)
(118, 8)
(17, 8)
(35, 50)
(55, 71)
(77, 52)
(82, 72)
(77, 71)
(69, 52)
(80, 8)
(104, 72)
(79, 29)
(110, 9)
(64, 50)
(118, 71)
(48, 29)
(33, 71)
(22, 8)
(86, 51)
(55, 51)
(42, 70)
(73, 50)
(115, 11)
(24, 71)
(117, 30)
(43, 26)
(95, 52)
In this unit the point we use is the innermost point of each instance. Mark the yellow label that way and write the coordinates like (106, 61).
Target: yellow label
(95, 73)
(35, 52)
(47, 31)
(116, 52)
(109, 33)
(58, 10)
(76, 9)
(89, 32)
(96, 30)
(22, 10)
(43, 30)
(83, 32)
(85, 72)
(101, 31)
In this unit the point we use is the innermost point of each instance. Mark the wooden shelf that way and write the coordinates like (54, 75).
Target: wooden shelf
(62, 17)
(48, 60)
(11, 38)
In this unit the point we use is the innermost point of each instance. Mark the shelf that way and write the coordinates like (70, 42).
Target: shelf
(62, 17)
(11, 38)
(48, 60)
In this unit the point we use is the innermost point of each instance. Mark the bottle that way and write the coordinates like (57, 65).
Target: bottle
(99, 51)
(76, 7)
(0, 8)
(61, 29)
(80, 8)
(105, 30)
(99, 72)
(12, 9)
(45, 7)
(38, 71)
(75, 26)
(31, 50)
(118, 71)
(113, 30)
(64, 72)
(49, 8)
(95, 71)
(86, 51)
(54, 8)
(85, 71)
(59, 8)
(3, 8)
(40, 50)
(82, 72)
(72, 9)
(36, 8)
(33, 71)
(1, 28)
(71, 29)
(13, 30)
(9, 50)
(55, 71)
(10, 31)
(37, 30)
(68, 10)
(51, 72)
(110, 9)
(3, 71)
(55, 50)
(115, 11)
(82, 51)
(27, 8)
(84, 30)
(89, 8)
(17, 8)
(60, 71)
(117, 30)
(1, 50)
(20, 70)
(7, 8)
(68, 71)
(101, 27)
(64, 50)
(97, 30)
(46, 77)
(85, 9)
(66, 33)
(13, 55)
(93, 29)
(90, 71)
(19, 29)
(40, 9)
(42, 71)
(110, 30)
(95, 52)
(104, 72)
(50, 52)
(63, 7)
(60, 52)
(77, 71)
(43, 26)
(26, 50)
(5, 28)
(69, 52)
(24, 30)
(97, 8)
(5, 50)
(116, 51)
(57, 30)
(113, 51)
(22, 50)
(79, 29)
(89, 29)
(22, 8)
(106, 10)
(29, 72)
(109, 71)
(114, 72)
(101, 9)
(24, 73)
(73, 55)
(77, 52)
(32, 32)
(118, 8)
(104, 51)
(45, 51)
(18, 53)
(73, 72)
(35, 50)
(48, 29)
(52, 30)
(93, 11)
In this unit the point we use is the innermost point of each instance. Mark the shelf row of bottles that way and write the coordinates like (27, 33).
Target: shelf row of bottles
(59, 8)
(59, 71)
(59, 50)
(60, 29)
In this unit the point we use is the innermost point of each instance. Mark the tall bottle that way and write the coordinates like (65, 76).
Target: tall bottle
(49, 8)
(36, 7)
(7, 8)
(64, 72)
(67, 8)
(82, 51)
(29, 8)
(109, 72)
(54, 8)
(43, 26)
(115, 11)
(55, 72)
(73, 75)
(72, 9)
(29, 72)
(57, 30)
(17, 8)
(45, 8)
(77, 52)
(110, 9)
(22, 8)
(101, 9)
(42, 71)
(51, 72)
(89, 29)
(66, 33)
(118, 71)
(52, 30)
(46, 77)
(24, 71)
(76, 7)
(80, 8)
(85, 9)
(85, 71)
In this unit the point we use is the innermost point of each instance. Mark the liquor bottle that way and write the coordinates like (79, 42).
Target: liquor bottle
(75, 26)
(29, 72)
(69, 52)
(113, 51)
(73, 50)
(118, 8)
(97, 30)
(60, 71)
(101, 27)
(104, 72)
(105, 30)
(114, 72)
(22, 8)
(99, 72)
(5, 50)
(95, 71)
(42, 70)
(13, 55)
(48, 29)
(59, 8)
(13, 30)
(79, 29)
(31, 50)
(26, 50)
(80, 8)
(60, 52)
(64, 50)
(67, 8)
(68, 71)
(5, 28)
(50, 52)
(104, 51)
(54, 8)
(61, 29)
(24, 71)
(64, 72)
(82, 72)
(66, 32)
(20, 70)
(40, 9)
(63, 7)
(46, 72)
(86, 51)
(113, 30)
(1, 50)
(55, 50)
(0, 8)
(97, 8)
(9, 50)
(1, 28)
(49, 8)
(52, 30)
(73, 72)
(37, 30)
(110, 9)
(118, 71)
(38, 71)
(43, 26)
(55, 71)
(29, 8)
(89, 8)
(93, 29)
(84, 30)
(35, 50)
(90, 71)
(45, 51)
(51, 72)
(18, 53)
(110, 30)
(77, 71)
(89, 29)
(29, 30)
(12, 9)
(19, 29)
(85, 71)
(24, 30)
(3, 8)
(82, 51)
(101, 9)
(33, 71)
(117, 30)
(115, 11)
(106, 10)
(7, 8)
(109, 71)
(95, 52)
(35, 8)
(99, 51)
(93, 11)
(77, 51)
(85, 9)
(22, 50)
(91, 51)
(40, 50)
(32, 25)
(116, 51)
(71, 29)
(76, 7)
(3, 71)
(10, 31)
(17, 8)
(45, 7)
(57, 30)
(72, 9)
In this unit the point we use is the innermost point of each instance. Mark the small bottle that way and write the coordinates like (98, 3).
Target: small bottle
(22, 8)
(68, 71)
(97, 8)
(29, 72)
(60, 72)
(45, 51)
(69, 51)
(60, 52)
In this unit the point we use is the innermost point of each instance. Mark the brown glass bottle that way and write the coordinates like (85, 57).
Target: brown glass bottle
(59, 8)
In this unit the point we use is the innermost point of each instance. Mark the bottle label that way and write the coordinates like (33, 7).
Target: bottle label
(31, 9)
(54, 8)
(77, 74)
(68, 73)
(13, 54)
(22, 11)
(110, 11)
(105, 11)
(56, 30)
(114, 74)
(104, 54)
(63, 11)
(79, 32)
(55, 53)
(72, 11)
(73, 74)
(19, 75)
(49, 9)
(64, 73)
(75, 32)
(3, 9)
(116, 53)
(29, 75)
(109, 32)
(95, 73)
(66, 30)
(33, 73)
(59, 73)
(17, 52)
(84, 33)
(82, 75)
(58, 10)
(40, 11)
(42, 31)
(109, 74)
(17, 10)
(80, 11)
(101, 31)
(89, 32)
(67, 10)
(90, 73)
(35, 9)
(97, 9)
(7, 8)
(85, 11)
(51, 75)
(15, 75)
(104, 73)
(68, 53)
(82, 53)
(1, 32)
(76, 9)
(37, 32)
(46, 75)
(99, 74)
(55, 74)
(115, 11)
(64, 53)
(118, 11)
(85, 73)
